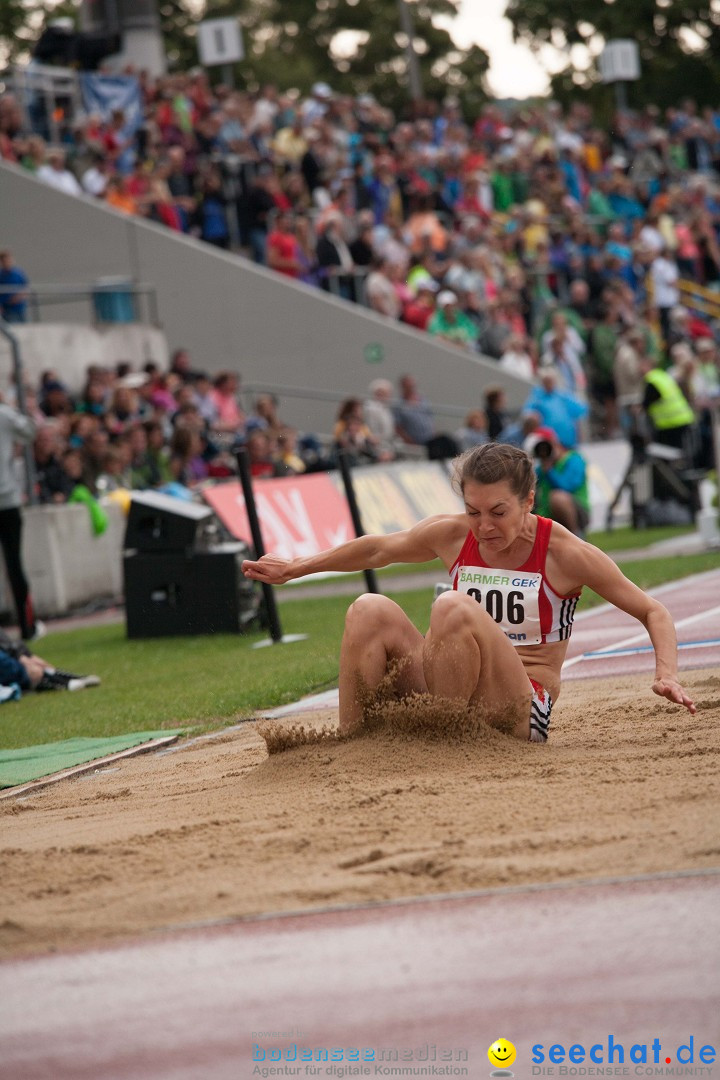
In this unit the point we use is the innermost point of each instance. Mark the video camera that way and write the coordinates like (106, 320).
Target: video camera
(543, 449)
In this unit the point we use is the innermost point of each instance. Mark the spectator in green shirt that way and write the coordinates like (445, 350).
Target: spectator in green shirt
(501, 182)
(561, 491)
(598, 204)
(451, 324)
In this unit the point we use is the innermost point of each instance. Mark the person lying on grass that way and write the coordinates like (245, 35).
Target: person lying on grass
(21, 670)
(498, 638)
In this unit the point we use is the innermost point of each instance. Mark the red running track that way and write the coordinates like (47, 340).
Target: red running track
(635, 959)
(694, 604)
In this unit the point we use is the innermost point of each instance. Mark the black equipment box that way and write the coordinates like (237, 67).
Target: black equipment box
(175, 593)
(158, 522)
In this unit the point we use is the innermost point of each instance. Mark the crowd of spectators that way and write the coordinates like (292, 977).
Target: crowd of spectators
(179, 429)
(534, 236)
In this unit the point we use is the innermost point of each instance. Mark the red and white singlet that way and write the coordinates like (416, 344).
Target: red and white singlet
(522, 601)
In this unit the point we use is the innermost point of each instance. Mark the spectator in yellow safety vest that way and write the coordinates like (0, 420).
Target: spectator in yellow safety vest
(667, 408)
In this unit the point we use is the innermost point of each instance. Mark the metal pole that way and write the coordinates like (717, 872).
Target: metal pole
(243, 460)
(408, 29)
(344, 462)
(620, 96)
(276, 635)
(21, 403)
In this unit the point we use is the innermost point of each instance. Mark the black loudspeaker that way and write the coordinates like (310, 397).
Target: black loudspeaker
(158, 522)
(171, 594)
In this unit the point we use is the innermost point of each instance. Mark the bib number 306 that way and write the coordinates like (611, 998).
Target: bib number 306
(514, 612)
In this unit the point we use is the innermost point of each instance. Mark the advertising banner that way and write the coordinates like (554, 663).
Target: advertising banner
(299, 515)
(302, 515)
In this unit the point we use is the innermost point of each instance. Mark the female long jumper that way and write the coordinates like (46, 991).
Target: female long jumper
(499, 637)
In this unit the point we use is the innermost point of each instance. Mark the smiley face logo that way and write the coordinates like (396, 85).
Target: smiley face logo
(501, 1054)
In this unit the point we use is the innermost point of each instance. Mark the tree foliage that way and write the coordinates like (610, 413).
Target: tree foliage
(679, 43)
(22, 21)
(355, 45)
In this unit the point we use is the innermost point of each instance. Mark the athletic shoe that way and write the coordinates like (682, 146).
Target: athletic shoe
(54, 679)
(39, 630)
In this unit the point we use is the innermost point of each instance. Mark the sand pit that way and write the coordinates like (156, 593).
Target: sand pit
(217, 829)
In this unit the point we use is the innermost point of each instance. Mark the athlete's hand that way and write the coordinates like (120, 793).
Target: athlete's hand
(673, 691)
(271, 570)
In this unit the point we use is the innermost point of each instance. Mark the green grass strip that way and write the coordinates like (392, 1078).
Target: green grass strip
(31, 762)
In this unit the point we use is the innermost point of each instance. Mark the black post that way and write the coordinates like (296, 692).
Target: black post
(370, 575)
(243, 460)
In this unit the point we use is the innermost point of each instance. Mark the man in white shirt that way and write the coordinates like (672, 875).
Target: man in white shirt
(380, 291)
(379, 416)
(564, 349)
(664, 275)
(516, 359)
(54, 173)
(94, 180)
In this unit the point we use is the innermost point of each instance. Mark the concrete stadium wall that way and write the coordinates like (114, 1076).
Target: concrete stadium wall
(232, 314)
(71, 348)
(67, 565)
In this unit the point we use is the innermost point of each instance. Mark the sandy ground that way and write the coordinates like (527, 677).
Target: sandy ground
(217, 829)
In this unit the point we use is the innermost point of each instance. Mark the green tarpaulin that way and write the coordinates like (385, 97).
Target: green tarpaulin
(32, 762)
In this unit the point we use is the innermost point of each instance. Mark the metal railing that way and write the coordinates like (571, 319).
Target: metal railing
(49, 97)
(142, 306)
(251, 390)
(442, 413)
(699, 298)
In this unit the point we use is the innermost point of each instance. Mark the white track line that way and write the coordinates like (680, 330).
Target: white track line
(643, 636)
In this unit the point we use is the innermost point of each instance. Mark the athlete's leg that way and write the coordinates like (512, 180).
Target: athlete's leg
(377, 632)
(466, 655)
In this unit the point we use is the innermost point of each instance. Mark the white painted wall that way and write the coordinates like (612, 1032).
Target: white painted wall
(67, 565)
(69, 349)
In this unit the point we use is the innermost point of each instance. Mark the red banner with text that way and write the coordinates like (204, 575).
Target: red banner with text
(299, 515)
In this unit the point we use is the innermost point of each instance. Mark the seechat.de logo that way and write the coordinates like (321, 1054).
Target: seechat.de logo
(611, 1052)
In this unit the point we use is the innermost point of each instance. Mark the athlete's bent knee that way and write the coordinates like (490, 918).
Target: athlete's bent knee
(371, 611)
(453, 612)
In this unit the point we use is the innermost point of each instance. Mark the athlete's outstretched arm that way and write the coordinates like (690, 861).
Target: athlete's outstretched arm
(366, 553)
(601, 574)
